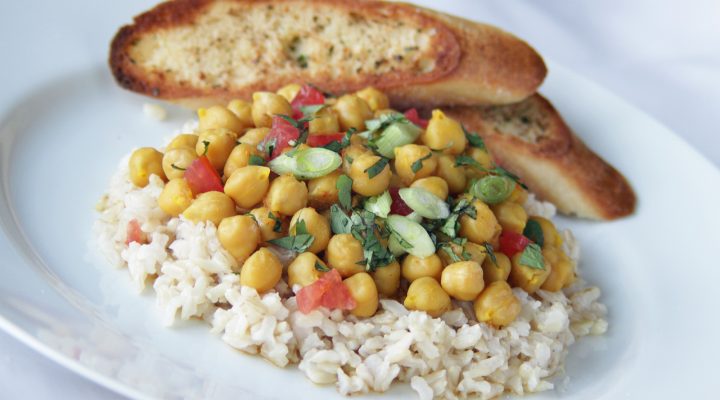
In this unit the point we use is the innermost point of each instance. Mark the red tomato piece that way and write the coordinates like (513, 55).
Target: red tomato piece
(328, 291)
(202, 177)
(323, 140)
(512, 243)
(282, 132)
(414, 117)
(398, 206)
(307, 96)
(134, 233)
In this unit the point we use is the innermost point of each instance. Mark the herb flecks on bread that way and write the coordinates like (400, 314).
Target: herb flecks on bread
(204, 52)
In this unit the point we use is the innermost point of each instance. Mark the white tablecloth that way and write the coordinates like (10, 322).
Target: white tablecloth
(663, 56)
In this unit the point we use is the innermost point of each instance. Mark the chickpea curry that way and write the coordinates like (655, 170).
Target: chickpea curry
(372, 203)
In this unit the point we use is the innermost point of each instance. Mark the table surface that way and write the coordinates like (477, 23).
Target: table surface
(659, 55)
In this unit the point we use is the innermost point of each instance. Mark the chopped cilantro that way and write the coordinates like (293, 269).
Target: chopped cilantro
(532, 257)
(377, 168)
(534, 232)
(256, 160)
(418, 164)
(344, 187)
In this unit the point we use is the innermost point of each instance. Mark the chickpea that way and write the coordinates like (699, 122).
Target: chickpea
(247, 185)
(518, 195)
(387, 278)
(483, 158)
(182, 140)
(181, 158)
(496, 271)
(219, 117)
(473, 252)
(376, 99)
(325, 121)
(286, 195)
(483, 228)
(407, 155)
(265, 105)
(426, 294)
(220, 143)
(444, 133)
(463, 280)
(551, 237)
(210, 206)
(322, 191)
(175, 197)
(262, 271)
(289, 91)
(562, 272)
(253, 137)
(144, 162)
(316, 225)
(239, 157)
(434, 185)
(527, 278)
(362, 289)
(352, 112)
(345, 254)
(362, 183)
(417, 267)
(511, 216)
(268, 223)
(302, 271)
(243, 111)
(497, 305)
(352, 153)
(239, 235)
(453, 175)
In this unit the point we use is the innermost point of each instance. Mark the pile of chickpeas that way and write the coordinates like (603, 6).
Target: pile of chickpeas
(255, 201)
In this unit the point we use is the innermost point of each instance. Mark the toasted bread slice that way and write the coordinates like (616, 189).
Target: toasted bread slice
(531, 139)
(200, 52)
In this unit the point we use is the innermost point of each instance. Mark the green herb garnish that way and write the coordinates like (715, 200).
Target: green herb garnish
(345, 142)
(533, 231)
(451, 225)
(339, 221)
(205, 143)
(320, 267)
(377, 168)
(474, 139)
(177, 168)
(256, 160)
(278, 223)
(344, 187)
(418, 164)
(467, 160)
(298, 243)
(532, 257)
(491, 253)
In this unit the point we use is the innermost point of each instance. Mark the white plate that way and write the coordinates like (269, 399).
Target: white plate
(61, 137)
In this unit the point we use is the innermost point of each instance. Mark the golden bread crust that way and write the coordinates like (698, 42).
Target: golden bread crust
(472, 63)
(553, 162)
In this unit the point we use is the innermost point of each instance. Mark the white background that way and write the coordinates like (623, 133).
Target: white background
(663, 56)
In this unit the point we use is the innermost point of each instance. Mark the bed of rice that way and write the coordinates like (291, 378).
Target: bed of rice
(448, 357)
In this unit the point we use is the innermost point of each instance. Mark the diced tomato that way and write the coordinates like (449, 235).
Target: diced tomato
(307, 96)
(414, 117)
(512, 243)
(202, 177)
(134, 233)
(398, 206)
(328, 291)
(323, 140)
(281, 132)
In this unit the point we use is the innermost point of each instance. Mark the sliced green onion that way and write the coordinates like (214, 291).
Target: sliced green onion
(424, 203)
(307, 163)
(379, 205)
(411, 236)
(395, 135)
(396, 246)
(415, 217)
(493, 189)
